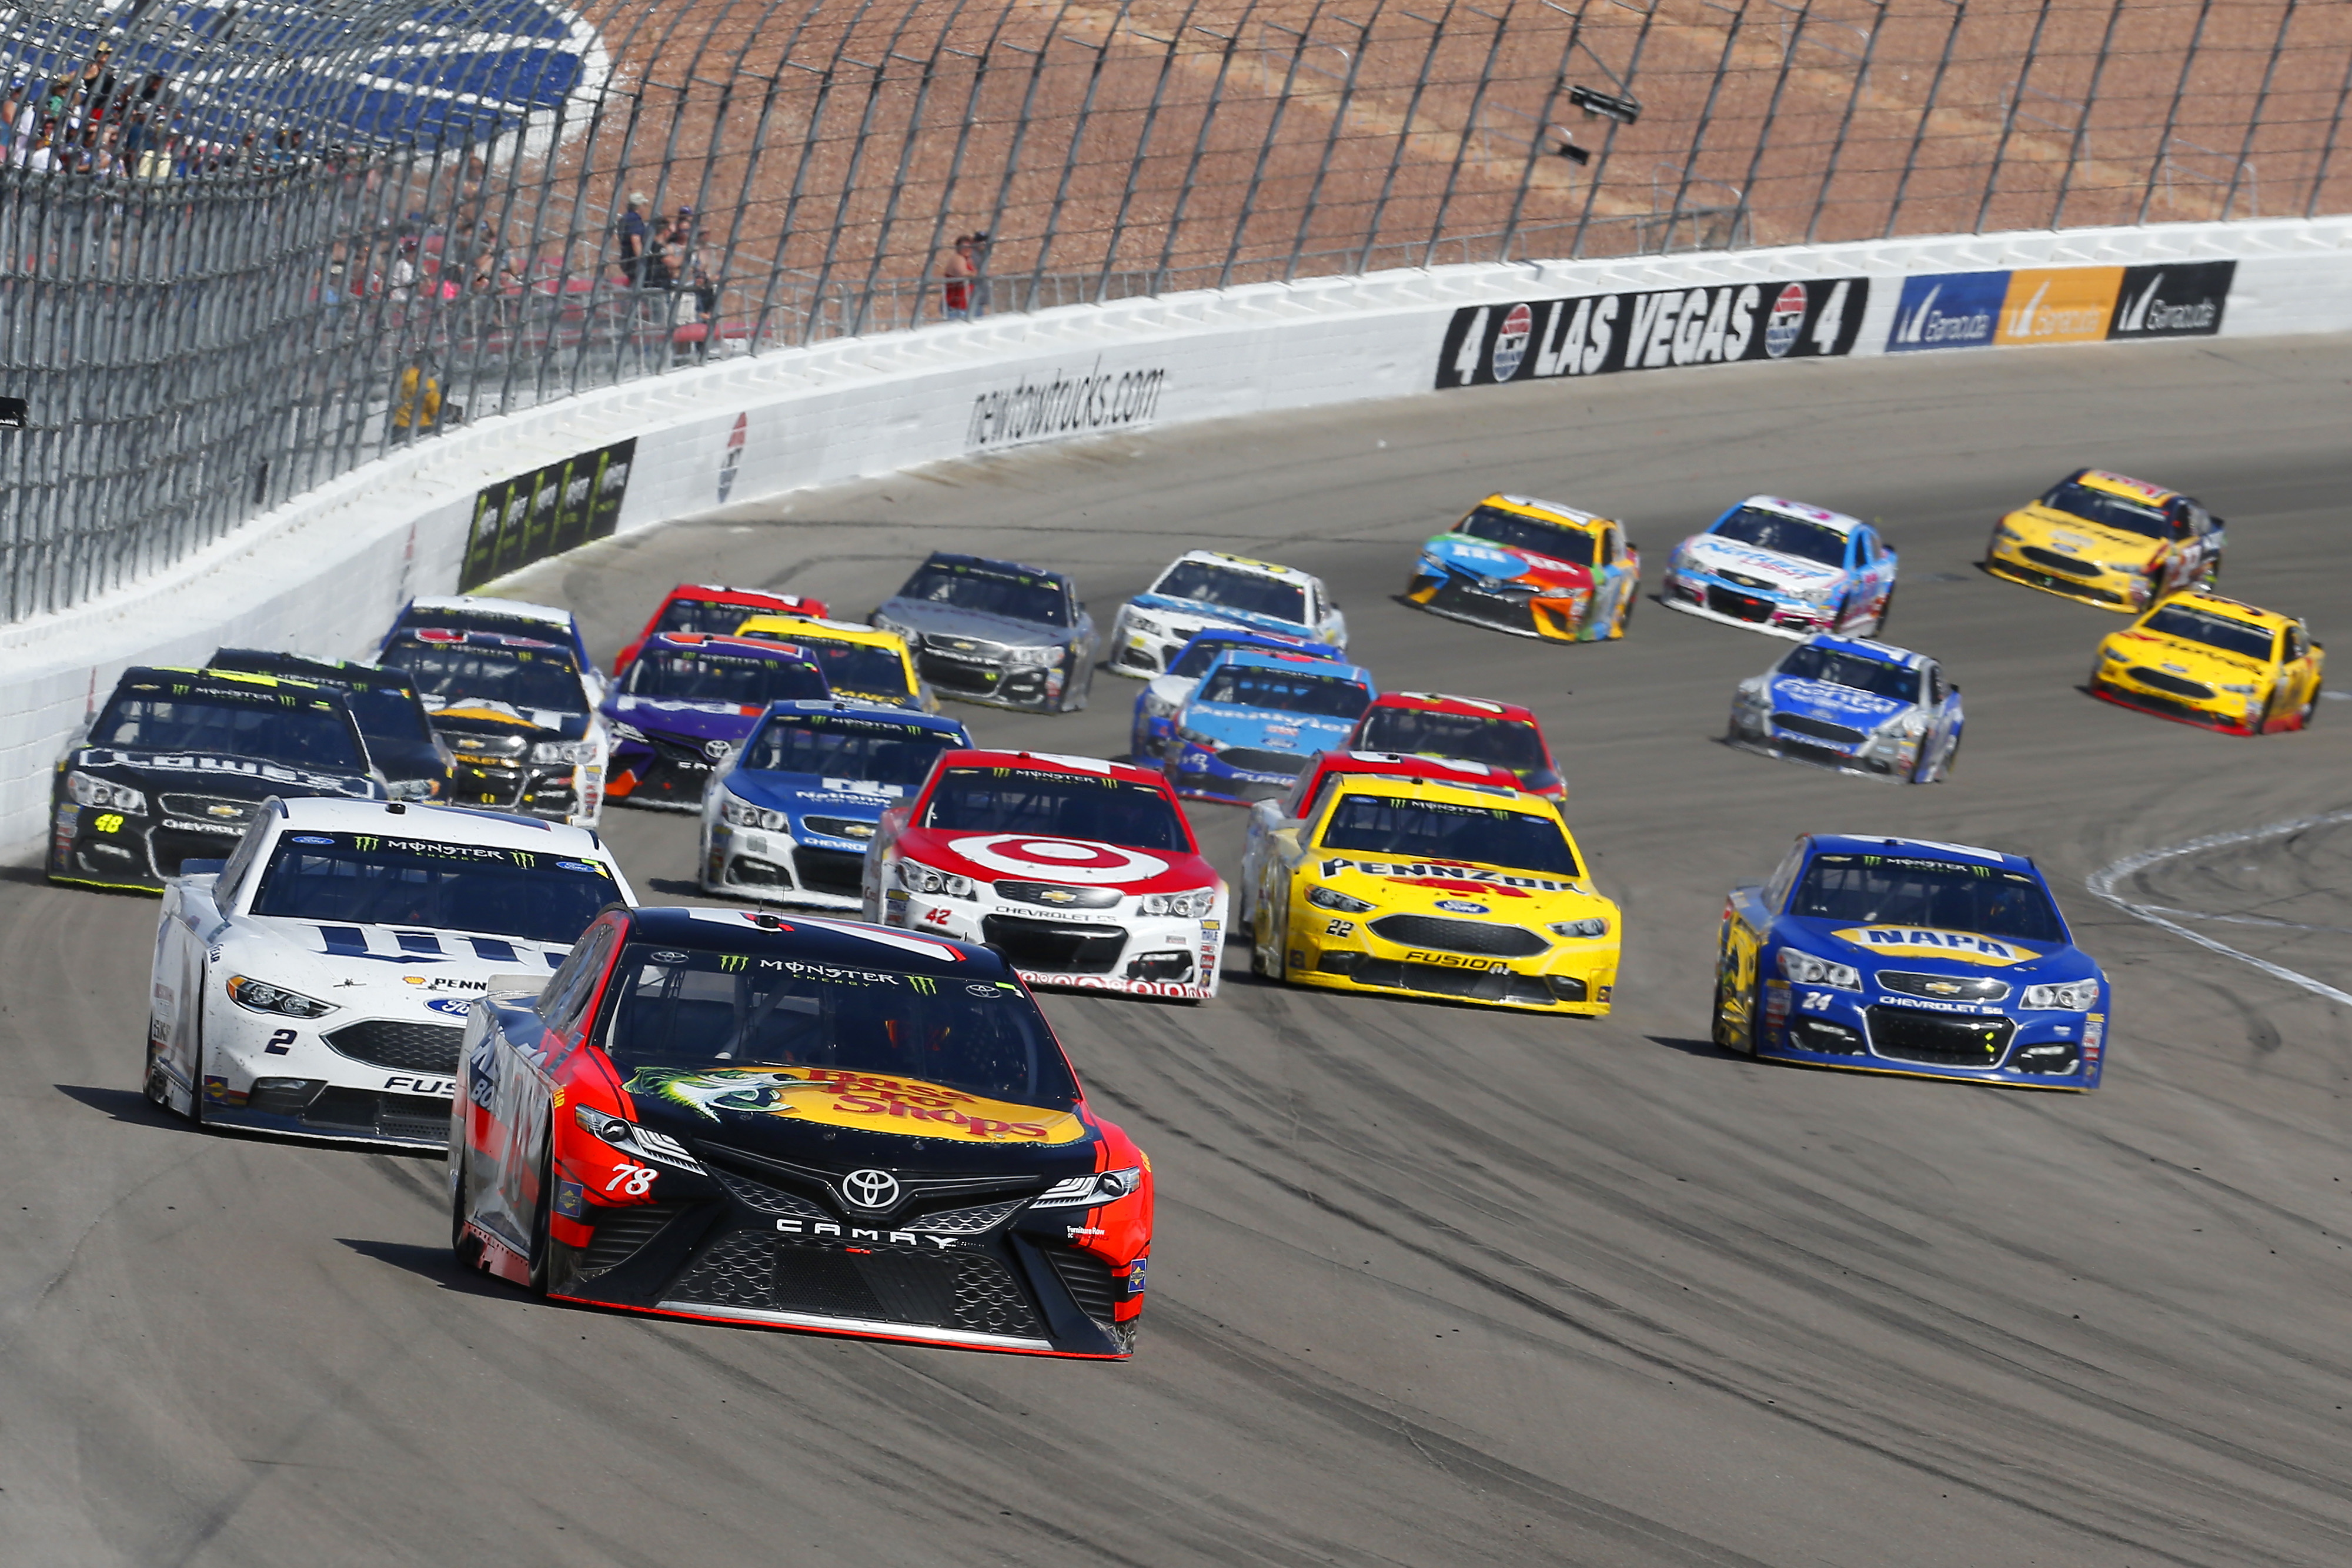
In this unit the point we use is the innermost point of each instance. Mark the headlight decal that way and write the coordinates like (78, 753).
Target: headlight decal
(1094, 1188)
(2071, 996)
(1806, 969)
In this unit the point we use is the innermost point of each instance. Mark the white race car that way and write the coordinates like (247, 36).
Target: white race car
(1208, 588)
(317, 981)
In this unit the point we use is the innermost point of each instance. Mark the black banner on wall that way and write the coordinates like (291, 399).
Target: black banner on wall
(1599, 334)
(546, 512)
(2178, 300)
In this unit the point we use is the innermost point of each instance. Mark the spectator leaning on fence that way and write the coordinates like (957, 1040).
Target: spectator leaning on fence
(633, 239)
(960, 295)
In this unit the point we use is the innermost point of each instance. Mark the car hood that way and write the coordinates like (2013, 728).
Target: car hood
(692, 722)
(1221, 615)
(2180, 656)
(2071, 535)
(1466, 890)
(479, 716)
(1836, 704)
(1939, 950)
(360, 969)
(825, 1120)
(1047, 857)
(1274, 729)
(807, 792)
(948, 622)
(1787, 572)
(215, 773)
(1507, 563)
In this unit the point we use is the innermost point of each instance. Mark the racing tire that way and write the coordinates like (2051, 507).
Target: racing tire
(543, 1223)
(196, 1084)
(463, 1246)
(1886, 609)
(1625, 616)
(1944, 768)
(2310, 711)
(1720, 1030)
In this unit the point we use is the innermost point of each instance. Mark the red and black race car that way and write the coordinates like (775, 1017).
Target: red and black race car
(715, 608)
(800, 1122)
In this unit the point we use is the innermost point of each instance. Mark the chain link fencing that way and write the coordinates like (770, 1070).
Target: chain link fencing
(415, 215)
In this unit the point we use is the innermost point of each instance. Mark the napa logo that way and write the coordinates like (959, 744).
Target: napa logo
(1919, 942)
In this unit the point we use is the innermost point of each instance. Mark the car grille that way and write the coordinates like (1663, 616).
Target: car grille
(964, 1221)
(665, 782)
(1494, 607)
(838, 872)
(476, 786)
(620, 1232)
(167, 847)
(1088, 1279)
(840, 827)
(2188, 713)
(1821, 756)
(759, 1196)
(366, 1113)
(1944, 988)
(1134, 658)
(1471, 985)
(2164, 680)
(1908, 1034)
(2065, 563)
(1762, 585)
(231, 816)
(2056, 584)
(1819, 729)
(1055, 895)
(965, 1291)
(1459, 935)
(404, 1047)
(1052, 947)
(956, 676)
(1247, 759)
(1738, 606)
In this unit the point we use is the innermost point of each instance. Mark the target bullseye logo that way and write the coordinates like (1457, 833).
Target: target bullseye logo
(1061, 860)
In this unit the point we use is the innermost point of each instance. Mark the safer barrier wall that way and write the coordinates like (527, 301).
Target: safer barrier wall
(326, 571)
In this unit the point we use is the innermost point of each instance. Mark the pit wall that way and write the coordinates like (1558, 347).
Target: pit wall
(326, 573)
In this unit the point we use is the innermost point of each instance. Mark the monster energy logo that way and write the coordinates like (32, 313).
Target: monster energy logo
(364, 843)
(524, 858)
(924, 984)
(731, 962)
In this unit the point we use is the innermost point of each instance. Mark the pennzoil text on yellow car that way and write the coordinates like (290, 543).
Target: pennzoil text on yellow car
(2205, 660)
(2112, 541)
(1534, 568)
(1910, 956)
(1466, 892)
(797, 1123)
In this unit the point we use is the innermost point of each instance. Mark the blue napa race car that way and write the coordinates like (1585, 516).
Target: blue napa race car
(1910, 956)
(1258, 719)
(1206, 588)
(788, 819)
(1154, 727)
(687, 700)
(1857, 706)
(1784, 568)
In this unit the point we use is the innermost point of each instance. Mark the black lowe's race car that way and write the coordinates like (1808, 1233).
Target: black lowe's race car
(415, 761)
(174, 765)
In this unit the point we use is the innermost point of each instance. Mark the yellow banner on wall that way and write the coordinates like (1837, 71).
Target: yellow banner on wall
(2059, 305)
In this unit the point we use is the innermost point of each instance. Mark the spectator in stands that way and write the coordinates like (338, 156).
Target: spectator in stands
(417, 407)
(404, 274)
(632, 238)
(960, 295)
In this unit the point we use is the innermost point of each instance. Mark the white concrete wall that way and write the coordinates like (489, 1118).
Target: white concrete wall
(324, 574)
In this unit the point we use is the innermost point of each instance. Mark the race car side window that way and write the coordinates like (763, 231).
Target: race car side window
(2297, 644)
(1936, 688)
(568, 988)
(2177, 513)
(240, 861)
(1775, 892)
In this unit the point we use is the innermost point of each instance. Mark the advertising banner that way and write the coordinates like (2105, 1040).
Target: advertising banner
(2058, 305)
(2178, 299)
(545, 512)
(1599, 334)
(1947, 310)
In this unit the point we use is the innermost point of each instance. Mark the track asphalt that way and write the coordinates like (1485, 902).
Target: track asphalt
(1432, 1285)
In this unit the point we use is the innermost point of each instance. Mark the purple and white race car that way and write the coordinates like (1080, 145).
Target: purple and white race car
(1784, 568)
(687, 701)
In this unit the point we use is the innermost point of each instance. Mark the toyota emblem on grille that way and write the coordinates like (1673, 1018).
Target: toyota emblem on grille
(870, 1189)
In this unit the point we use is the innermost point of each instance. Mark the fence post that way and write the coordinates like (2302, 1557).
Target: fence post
(1404, 134)
(1142, 152)
(2082, 136)
(1469, 128)
(1845, 122)
(1926, 112)
(1266, 147)
(1608, 138)
(1698, 132)
(2172, 111)
(2327, 149)
(1306, 209)
(2009, 120)
(2254, 120)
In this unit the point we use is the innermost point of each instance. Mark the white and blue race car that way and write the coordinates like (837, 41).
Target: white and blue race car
(1784, 568)
(1208, 588)
(1855, 706)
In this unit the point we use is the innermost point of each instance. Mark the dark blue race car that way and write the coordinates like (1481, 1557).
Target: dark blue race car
(1906, 955)
(689, 698)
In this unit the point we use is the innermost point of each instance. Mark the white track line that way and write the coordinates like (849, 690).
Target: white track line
(2102, 884)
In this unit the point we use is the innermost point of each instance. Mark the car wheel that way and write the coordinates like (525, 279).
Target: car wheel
(2211, 575)
(1951, 755)
(1886, 609)
(463, 1244)
(197, 1074)
(1624, 614)
(2310, 711)
(543, 1223)
(1724, 1035)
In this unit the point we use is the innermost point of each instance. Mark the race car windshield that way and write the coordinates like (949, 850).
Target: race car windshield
(691, 1008)
(303, 733)
(343, 880)
(1788, 536)
(2108, 510)
(524, 678)
(1199, 654)
(836, 746)
(1855, 671)
(389, 713)
(1015, 595)
(1406, 829)
(1210, 583)
(1500, 528)
(1325, 697)
(2213, 630)
(849, 667)
(742, 680)
(1509, 742)
(1895, 889)
(1063, 805)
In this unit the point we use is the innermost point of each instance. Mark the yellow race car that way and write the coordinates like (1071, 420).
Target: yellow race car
(1534, 568)
(858, 660)
(2112, 541)
(1471, 893)
(2205, 660)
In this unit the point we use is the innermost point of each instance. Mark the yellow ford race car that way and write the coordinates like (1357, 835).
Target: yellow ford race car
(862, 663)
(2206, 660)
(1470, 893)
(2114, 541)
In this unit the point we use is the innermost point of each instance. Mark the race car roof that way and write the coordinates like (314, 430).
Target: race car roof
(880, 713)
(1244, 637)
(482, 604)
(1052, 761)
(1919, 849)
(1809, 512)
(1863, 648)
(990, 563)
(848, 943)
(444, 824)
(303, 667)
(719, 593)
(1551, 510)
(1456, 792)
(2231, 609)
(725, 642)
(1241, 563)
(227, 683)
(1467, 708)
(2126, 485)
(1400, 765)
(1296, 660)
(811, 626)
(448, 637)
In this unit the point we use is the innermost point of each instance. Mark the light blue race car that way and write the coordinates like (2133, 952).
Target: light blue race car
(1155, 706)
(789, 819)
(1907, 955)
(1258, 717)
(1858, 707)
(1784, 568)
